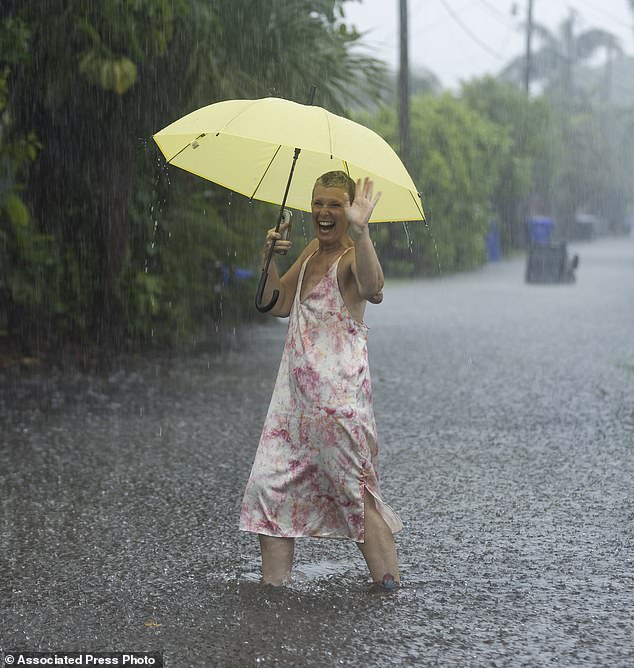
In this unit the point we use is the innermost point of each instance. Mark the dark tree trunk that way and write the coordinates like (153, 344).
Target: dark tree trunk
(112, 190)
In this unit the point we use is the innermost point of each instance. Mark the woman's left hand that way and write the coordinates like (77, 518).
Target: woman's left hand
(359, 212)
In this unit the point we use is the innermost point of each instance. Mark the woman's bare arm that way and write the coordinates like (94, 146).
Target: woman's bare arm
(287, 284)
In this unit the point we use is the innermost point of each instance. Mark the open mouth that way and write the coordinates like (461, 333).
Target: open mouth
(325, 226)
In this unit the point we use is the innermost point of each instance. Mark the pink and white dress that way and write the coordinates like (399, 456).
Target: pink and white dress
(318, 449)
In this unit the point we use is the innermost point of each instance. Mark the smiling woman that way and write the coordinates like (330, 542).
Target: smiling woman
(328, 210)
(316, 467)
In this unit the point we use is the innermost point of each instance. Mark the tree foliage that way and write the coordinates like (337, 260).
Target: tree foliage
(526, 169)
(135, 251)
(559, 57)
(456, 155)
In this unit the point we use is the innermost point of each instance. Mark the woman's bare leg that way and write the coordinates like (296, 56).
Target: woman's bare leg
(379, 549)
(277, 559)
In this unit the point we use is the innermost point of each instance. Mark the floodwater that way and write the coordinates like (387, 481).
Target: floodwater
(506, 420)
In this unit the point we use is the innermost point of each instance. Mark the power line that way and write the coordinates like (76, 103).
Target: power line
(440, 21)
(502, 16)
(472, 35)
(601, 10)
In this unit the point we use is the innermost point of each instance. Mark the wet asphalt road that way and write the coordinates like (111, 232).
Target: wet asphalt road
(506, 421)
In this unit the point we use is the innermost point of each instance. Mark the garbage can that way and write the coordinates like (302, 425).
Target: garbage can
(549, 263)
(539, 230)
(493, 243)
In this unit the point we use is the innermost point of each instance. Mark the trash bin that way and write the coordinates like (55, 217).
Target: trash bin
(549, 263)
(493, 243)
(539, 230)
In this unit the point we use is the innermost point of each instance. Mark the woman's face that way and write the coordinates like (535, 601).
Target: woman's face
(328, 211)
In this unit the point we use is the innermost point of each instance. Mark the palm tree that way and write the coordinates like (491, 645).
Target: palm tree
(557, 60)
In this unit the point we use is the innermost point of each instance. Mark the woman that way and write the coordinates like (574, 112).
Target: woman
(315, 470)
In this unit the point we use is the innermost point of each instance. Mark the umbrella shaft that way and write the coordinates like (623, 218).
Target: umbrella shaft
(269, 256)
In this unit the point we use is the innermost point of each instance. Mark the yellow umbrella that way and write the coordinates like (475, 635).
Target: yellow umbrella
(249, 146)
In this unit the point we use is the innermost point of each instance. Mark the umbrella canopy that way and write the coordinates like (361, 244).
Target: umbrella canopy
(248, 146)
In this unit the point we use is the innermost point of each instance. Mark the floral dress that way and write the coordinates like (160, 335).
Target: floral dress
(318, 449)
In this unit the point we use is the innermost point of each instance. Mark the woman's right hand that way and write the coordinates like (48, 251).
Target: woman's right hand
(282, 246)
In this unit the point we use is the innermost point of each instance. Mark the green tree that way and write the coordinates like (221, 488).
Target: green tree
(72, 91)
(588, 137)
(523, 183)
(456, 157)
(99, 79)
(29, 264)
(559, 56)
(593, 169)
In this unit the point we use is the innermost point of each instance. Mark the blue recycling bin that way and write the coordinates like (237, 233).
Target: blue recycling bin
(539, 230)
(493, 243)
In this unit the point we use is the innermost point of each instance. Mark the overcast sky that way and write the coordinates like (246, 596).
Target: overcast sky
(460, 39)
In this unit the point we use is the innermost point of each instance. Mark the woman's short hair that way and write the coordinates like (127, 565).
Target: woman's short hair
(337, 179)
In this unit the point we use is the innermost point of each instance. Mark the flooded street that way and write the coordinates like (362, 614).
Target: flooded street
(506, 424)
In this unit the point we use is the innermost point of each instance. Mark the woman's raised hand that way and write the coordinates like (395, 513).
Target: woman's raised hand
(359, 212)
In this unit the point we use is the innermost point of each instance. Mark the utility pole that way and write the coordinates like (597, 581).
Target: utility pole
(403, 86)
(529, 54)
(571, 55)
(609, 73)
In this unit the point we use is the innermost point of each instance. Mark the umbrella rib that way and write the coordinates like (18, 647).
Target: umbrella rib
(329, 130)
(233, 118)
(277, 150)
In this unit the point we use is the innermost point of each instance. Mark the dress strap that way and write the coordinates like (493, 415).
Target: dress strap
(336, 262)
(300, 280)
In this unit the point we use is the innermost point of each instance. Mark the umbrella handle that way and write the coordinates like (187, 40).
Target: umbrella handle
(265, 270)
(264, 308)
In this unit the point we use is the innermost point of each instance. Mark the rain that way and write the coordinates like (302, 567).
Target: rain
(136, 371)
